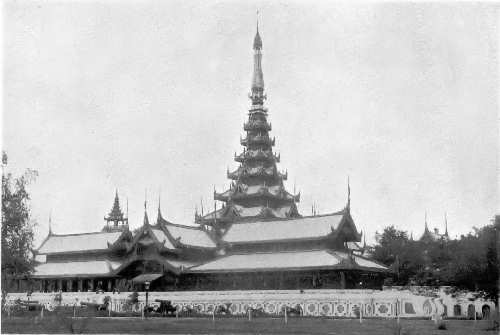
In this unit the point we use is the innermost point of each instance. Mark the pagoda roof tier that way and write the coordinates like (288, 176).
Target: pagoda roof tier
(259, 108)
(242, 191)
(257, 171)
(289, 261)
(75, 243)
(101, 268)
(257, 154)
(234, 212)
(258, 139)
(257, 125)
(296, 229)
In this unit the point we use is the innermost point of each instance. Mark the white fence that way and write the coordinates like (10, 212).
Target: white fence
(327, 303)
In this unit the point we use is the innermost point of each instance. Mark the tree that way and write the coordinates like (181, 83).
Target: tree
(17, 225)
(403, 255)
(470, 262)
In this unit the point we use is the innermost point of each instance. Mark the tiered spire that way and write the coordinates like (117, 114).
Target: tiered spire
(116, 215)
(256, 188)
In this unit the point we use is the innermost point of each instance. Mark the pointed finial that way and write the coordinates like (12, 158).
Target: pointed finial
(445, 225)
(364, 241)
(426, 228)
(50, 222)
(159, 208)
(348, 193)
(127, 208)
(257, 42)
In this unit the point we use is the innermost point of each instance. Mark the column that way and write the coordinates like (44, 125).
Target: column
(110, 285)
(80, 285)
(69, 285)
(41, 285)
(59, 285)
(342, 280)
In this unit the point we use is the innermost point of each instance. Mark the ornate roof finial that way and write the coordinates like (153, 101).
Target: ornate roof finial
(445, 225)
(146, 220)
(257, 42)
(50, 222)
(160, 217)
(257, 94)
(348, 194)
(426, 227)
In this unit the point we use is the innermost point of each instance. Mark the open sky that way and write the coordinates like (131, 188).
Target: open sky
(146, 96)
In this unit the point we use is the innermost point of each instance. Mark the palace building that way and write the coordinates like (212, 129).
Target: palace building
(257, 239)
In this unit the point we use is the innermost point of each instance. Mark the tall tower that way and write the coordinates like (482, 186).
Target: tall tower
(256, 189)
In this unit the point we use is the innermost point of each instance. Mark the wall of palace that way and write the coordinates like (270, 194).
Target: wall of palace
(317, 303)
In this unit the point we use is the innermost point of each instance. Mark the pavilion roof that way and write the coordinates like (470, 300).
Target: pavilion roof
(190, 236)
(290, 229)
(76, 269)
(78, 242)
(288, 260)
(163, 238)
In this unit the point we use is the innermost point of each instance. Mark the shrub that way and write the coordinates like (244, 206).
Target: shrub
(441, 326)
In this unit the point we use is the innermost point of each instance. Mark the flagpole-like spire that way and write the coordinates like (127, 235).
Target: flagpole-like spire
(348, 205)
(426, 227)
(50, 222)
(257, 94)
(160, 217)
(146, 220)
(445, 225)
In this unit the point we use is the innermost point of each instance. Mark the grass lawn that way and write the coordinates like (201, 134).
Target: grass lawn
(238, 326)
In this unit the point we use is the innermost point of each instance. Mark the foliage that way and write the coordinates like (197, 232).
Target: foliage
(17, 225)
(470, 262)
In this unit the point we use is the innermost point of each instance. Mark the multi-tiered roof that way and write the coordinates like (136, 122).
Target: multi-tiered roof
(120, 221)
(256, 189)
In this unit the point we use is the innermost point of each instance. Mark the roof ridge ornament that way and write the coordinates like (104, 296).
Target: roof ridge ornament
(445, 225)
(159, 217)
(50, 222)
(146, 220)
(348, 207)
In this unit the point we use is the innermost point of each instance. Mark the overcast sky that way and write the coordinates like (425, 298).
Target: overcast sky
(150, 95)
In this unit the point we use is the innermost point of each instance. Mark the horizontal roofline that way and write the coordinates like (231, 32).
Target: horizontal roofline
(316, 238)
(182, 226)
(338, 267)
(73, 252)
(89, 233)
